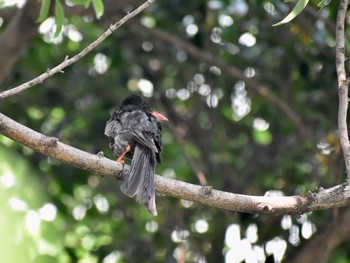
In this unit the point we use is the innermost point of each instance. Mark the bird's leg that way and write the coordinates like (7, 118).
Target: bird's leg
(121, 157)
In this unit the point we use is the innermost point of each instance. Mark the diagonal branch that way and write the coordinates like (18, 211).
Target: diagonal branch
(67, 62)
(295, 205)
(343, 83)
(234, 72)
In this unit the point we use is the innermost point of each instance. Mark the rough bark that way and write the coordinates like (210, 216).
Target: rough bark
(336, 196)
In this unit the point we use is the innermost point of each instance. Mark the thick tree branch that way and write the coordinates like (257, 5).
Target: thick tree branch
(67, 62)
(343, 83)
(295, 205)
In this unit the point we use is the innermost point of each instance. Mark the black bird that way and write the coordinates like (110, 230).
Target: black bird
(134, 131)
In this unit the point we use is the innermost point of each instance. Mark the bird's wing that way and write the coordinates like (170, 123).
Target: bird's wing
(144, 139)
(140, 126)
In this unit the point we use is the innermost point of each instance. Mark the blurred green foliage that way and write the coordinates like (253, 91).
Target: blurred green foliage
(240, 140)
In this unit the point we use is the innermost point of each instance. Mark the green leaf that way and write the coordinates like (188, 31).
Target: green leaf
(262, 137)
(296, 11)
(87, 3)
(44, 10)
(59, 14)
(99, 8)
(324, 3)
(80, 2)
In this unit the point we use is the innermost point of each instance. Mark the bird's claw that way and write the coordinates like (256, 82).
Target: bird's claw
(120, 161)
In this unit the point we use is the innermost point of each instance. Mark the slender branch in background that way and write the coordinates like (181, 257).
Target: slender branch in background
(295, 205)
(326, 239)
(343, 83)
(234, 72)
(67, 62)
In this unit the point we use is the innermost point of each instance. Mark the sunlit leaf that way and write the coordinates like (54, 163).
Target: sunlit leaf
(99, 8)
(81, 2)
(87, 3)
(35, 113)
(262, 137)
(324, 3)
(296, 11)
(59, 14)
(44, 10)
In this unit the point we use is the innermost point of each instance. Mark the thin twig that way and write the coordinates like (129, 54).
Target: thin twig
(343, 83)
(77, 57)
(96, 163)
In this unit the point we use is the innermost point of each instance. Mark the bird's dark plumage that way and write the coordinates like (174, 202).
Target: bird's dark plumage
(134, 131)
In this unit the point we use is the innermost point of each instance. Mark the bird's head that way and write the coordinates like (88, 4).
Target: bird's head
(136, 100)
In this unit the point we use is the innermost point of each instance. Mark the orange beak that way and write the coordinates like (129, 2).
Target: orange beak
(159, 116)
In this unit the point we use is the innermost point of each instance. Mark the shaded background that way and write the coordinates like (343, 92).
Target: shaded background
(252, 108)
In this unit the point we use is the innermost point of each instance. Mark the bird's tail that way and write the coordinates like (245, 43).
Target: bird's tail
(140, 180)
